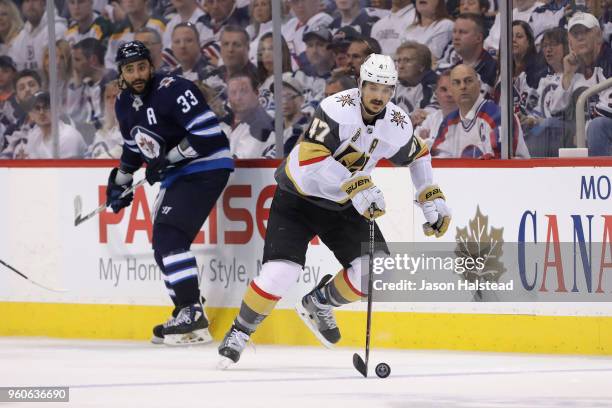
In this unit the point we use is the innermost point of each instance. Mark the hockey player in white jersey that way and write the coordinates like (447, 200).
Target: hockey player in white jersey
(325, 190)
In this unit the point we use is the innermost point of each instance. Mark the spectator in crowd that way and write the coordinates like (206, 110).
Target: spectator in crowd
(339, 82)
(108, 141)
(527, 67)
(27, 83)
(446, 104)
(8, 71)
(266, 59)
(84, 23)
(357, 53)
(528, 11)
(39, 139)
(235, 53)
(84, 95)
(545, 133)
(63, 69)
(186, 11)
(388, 31)
(473, 130)
(320, 58)
(307, 14)
(341, 40)
(589, 62)
(163, 63)
(221, 13)
(295, 120)
(10, 25)
(416, 80)
(137, 16)
(186, 49)
(467, 48)
(431, 27)
(249, 128)
(478, 7)
(352, 14)
(33, 39)
(261, 23)
(606, 23)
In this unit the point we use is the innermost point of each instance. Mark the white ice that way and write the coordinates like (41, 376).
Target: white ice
(138, 374)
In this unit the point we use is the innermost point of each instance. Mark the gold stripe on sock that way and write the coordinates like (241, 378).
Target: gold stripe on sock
(345, 288)
(258, 300)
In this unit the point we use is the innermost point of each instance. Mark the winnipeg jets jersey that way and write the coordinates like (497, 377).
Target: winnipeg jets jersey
(338, 144)
(172, 112)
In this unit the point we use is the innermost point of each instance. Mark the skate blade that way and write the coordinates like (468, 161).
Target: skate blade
(224, 363)
(305, 316)
(195, 337)
(157, 340)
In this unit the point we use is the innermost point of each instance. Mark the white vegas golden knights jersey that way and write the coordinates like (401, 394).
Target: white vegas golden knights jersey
(338, 144)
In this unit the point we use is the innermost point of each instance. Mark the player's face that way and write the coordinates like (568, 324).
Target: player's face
(262, 11)
(26, 87)
(375, 97)
(408, 66)
(80, 9)
(137, 75)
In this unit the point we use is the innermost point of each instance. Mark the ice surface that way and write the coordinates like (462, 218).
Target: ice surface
(138, 374)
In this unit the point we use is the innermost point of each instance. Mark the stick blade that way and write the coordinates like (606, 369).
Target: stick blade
(360, 365)
(78, 206)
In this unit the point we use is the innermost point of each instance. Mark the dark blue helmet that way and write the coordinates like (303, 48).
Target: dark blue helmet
(130, 52)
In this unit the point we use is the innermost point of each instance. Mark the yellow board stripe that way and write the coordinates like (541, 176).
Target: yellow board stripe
(481, 332)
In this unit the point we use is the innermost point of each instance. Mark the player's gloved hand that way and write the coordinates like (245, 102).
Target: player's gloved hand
(363, 193)
(118, 182)
(436, 212)
(156, 169)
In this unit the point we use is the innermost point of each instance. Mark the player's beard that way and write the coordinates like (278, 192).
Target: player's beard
(369, 111)
(133, 90)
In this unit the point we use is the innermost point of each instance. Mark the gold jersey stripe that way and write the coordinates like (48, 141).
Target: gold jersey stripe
(310, 152)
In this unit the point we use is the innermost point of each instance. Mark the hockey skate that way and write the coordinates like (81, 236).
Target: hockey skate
(158, 331)
(318, 315)
(190, 326)
(231, 347)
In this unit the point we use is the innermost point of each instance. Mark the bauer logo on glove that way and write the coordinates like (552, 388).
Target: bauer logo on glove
(436, 212)
(363, 193)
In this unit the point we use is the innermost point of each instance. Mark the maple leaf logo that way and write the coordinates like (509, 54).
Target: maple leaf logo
(478, 240)
(398, 119)
(345, 100)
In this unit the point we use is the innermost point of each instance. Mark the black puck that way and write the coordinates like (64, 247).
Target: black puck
(383, 370)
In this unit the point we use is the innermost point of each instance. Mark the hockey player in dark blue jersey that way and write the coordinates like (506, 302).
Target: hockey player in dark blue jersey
(167, 124)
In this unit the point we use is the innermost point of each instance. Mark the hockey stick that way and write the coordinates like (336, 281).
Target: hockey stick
(358, 363)
(30, 280)
(78, 204)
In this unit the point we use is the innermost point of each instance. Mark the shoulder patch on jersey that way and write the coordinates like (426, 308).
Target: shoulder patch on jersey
(165, 82)
(398, 118)
(345, 99)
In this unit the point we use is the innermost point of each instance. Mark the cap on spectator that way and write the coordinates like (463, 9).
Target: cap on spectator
(320, 31)
(39, 97)
(343, 37)
(7, 62)
(292, 82)
(585, 19)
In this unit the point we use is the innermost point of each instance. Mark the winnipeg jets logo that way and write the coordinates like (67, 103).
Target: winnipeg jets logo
(164, 83)
(398, 119)
(137, 103)
(345, 100)
(146, 142)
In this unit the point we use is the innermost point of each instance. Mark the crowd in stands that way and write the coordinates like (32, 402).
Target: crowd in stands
(446, 54)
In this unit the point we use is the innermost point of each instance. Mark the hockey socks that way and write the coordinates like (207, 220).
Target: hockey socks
(256, 305)
(181, 278)
(340, 290)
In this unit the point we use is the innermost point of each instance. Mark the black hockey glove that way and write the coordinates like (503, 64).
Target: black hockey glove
(114, 191)
(156, 168)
